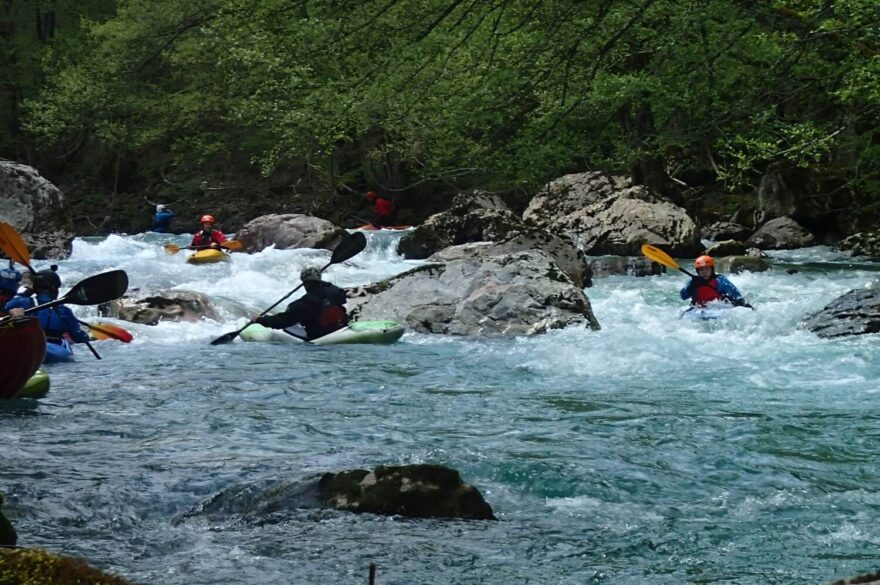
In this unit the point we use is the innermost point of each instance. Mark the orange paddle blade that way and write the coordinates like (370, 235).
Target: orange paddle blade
(659, 256)
(13, 246)
(108, 331)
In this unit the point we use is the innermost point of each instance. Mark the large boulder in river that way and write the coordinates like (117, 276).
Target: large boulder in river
(479, 217)
(725, 230)
(863, 244)
(782, 233)
(855, 313)
(605, 214)
(418, 491)
(152, 306)
(521, 293)
(33, 206)
(288, 231)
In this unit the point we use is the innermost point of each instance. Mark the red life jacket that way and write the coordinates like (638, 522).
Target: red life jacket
(382, 207)
(705, 293)
(332, 317)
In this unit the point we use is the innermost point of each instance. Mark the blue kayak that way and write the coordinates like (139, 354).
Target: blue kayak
(58, 351)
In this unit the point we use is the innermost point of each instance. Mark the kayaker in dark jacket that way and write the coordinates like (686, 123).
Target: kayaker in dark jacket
(162, 219)
(208, 237)
(58, 321)
(320, 311)
(708, 286)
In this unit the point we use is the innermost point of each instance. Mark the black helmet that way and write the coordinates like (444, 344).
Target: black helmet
(46, 280)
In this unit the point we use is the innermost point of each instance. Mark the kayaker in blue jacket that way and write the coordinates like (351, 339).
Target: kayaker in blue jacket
(162, 219)
(320, 311)
(708, 286)
(58, 321)
(9, 281)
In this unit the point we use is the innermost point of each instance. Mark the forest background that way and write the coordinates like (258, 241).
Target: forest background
(245, 107)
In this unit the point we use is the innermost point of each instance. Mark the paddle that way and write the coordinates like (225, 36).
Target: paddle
(233, 245)
(661, 257)
(347, 248)
(109, 331)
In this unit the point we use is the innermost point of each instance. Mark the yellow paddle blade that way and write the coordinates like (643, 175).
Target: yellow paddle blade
(172, 248)
(659, 256)
(231, 245)
(13, 246)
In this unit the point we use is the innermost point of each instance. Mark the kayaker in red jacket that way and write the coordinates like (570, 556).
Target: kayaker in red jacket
(382, 209)
(208, 237)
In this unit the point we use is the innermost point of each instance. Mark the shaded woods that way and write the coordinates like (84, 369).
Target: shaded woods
(251, 106)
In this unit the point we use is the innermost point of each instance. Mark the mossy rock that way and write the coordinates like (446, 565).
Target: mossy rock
(21, 566)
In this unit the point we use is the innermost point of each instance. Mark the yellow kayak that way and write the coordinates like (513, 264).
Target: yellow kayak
(207, 256)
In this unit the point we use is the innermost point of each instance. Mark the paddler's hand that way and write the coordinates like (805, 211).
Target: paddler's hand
(694, 284)
(16, 312)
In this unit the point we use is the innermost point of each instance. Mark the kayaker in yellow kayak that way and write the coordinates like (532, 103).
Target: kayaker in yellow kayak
(320, 311)
(207, 237)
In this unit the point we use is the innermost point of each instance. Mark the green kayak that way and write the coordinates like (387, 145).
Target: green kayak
(36, 387)
(358, 332)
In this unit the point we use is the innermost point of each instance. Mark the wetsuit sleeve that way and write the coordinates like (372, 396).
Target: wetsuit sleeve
(689, 289)
(19, 303)
(70, 326)
(729, 291)
(295, 313)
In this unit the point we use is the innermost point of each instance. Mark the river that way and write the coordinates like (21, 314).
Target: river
(656, 450)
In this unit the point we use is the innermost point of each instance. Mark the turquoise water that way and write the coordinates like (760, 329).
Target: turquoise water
(653, 451)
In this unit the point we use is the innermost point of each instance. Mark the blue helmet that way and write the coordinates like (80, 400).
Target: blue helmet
(9, 279)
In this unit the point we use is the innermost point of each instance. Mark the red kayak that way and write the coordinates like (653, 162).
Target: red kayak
(22, 347)
(371, 227)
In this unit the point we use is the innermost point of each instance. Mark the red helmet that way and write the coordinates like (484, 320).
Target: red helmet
(704, 262)
(207, 218)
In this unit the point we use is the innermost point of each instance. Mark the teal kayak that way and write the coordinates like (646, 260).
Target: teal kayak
(357, 332)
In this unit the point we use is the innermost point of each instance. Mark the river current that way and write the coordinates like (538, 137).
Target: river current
(656, 450)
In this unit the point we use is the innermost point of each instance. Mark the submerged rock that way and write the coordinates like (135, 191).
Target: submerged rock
(38, 567)
(152, 306)
(418, 491)
(855, 313)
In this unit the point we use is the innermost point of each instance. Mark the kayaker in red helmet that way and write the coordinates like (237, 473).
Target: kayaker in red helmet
(320, 311)
(208, 237)
(708, 286)
(382, 209)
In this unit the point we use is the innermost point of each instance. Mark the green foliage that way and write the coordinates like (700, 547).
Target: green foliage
(501, 94)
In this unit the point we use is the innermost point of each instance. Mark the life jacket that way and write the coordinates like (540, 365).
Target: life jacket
(382, 207)
(706, 293)
(203, 238)
(332, 317)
